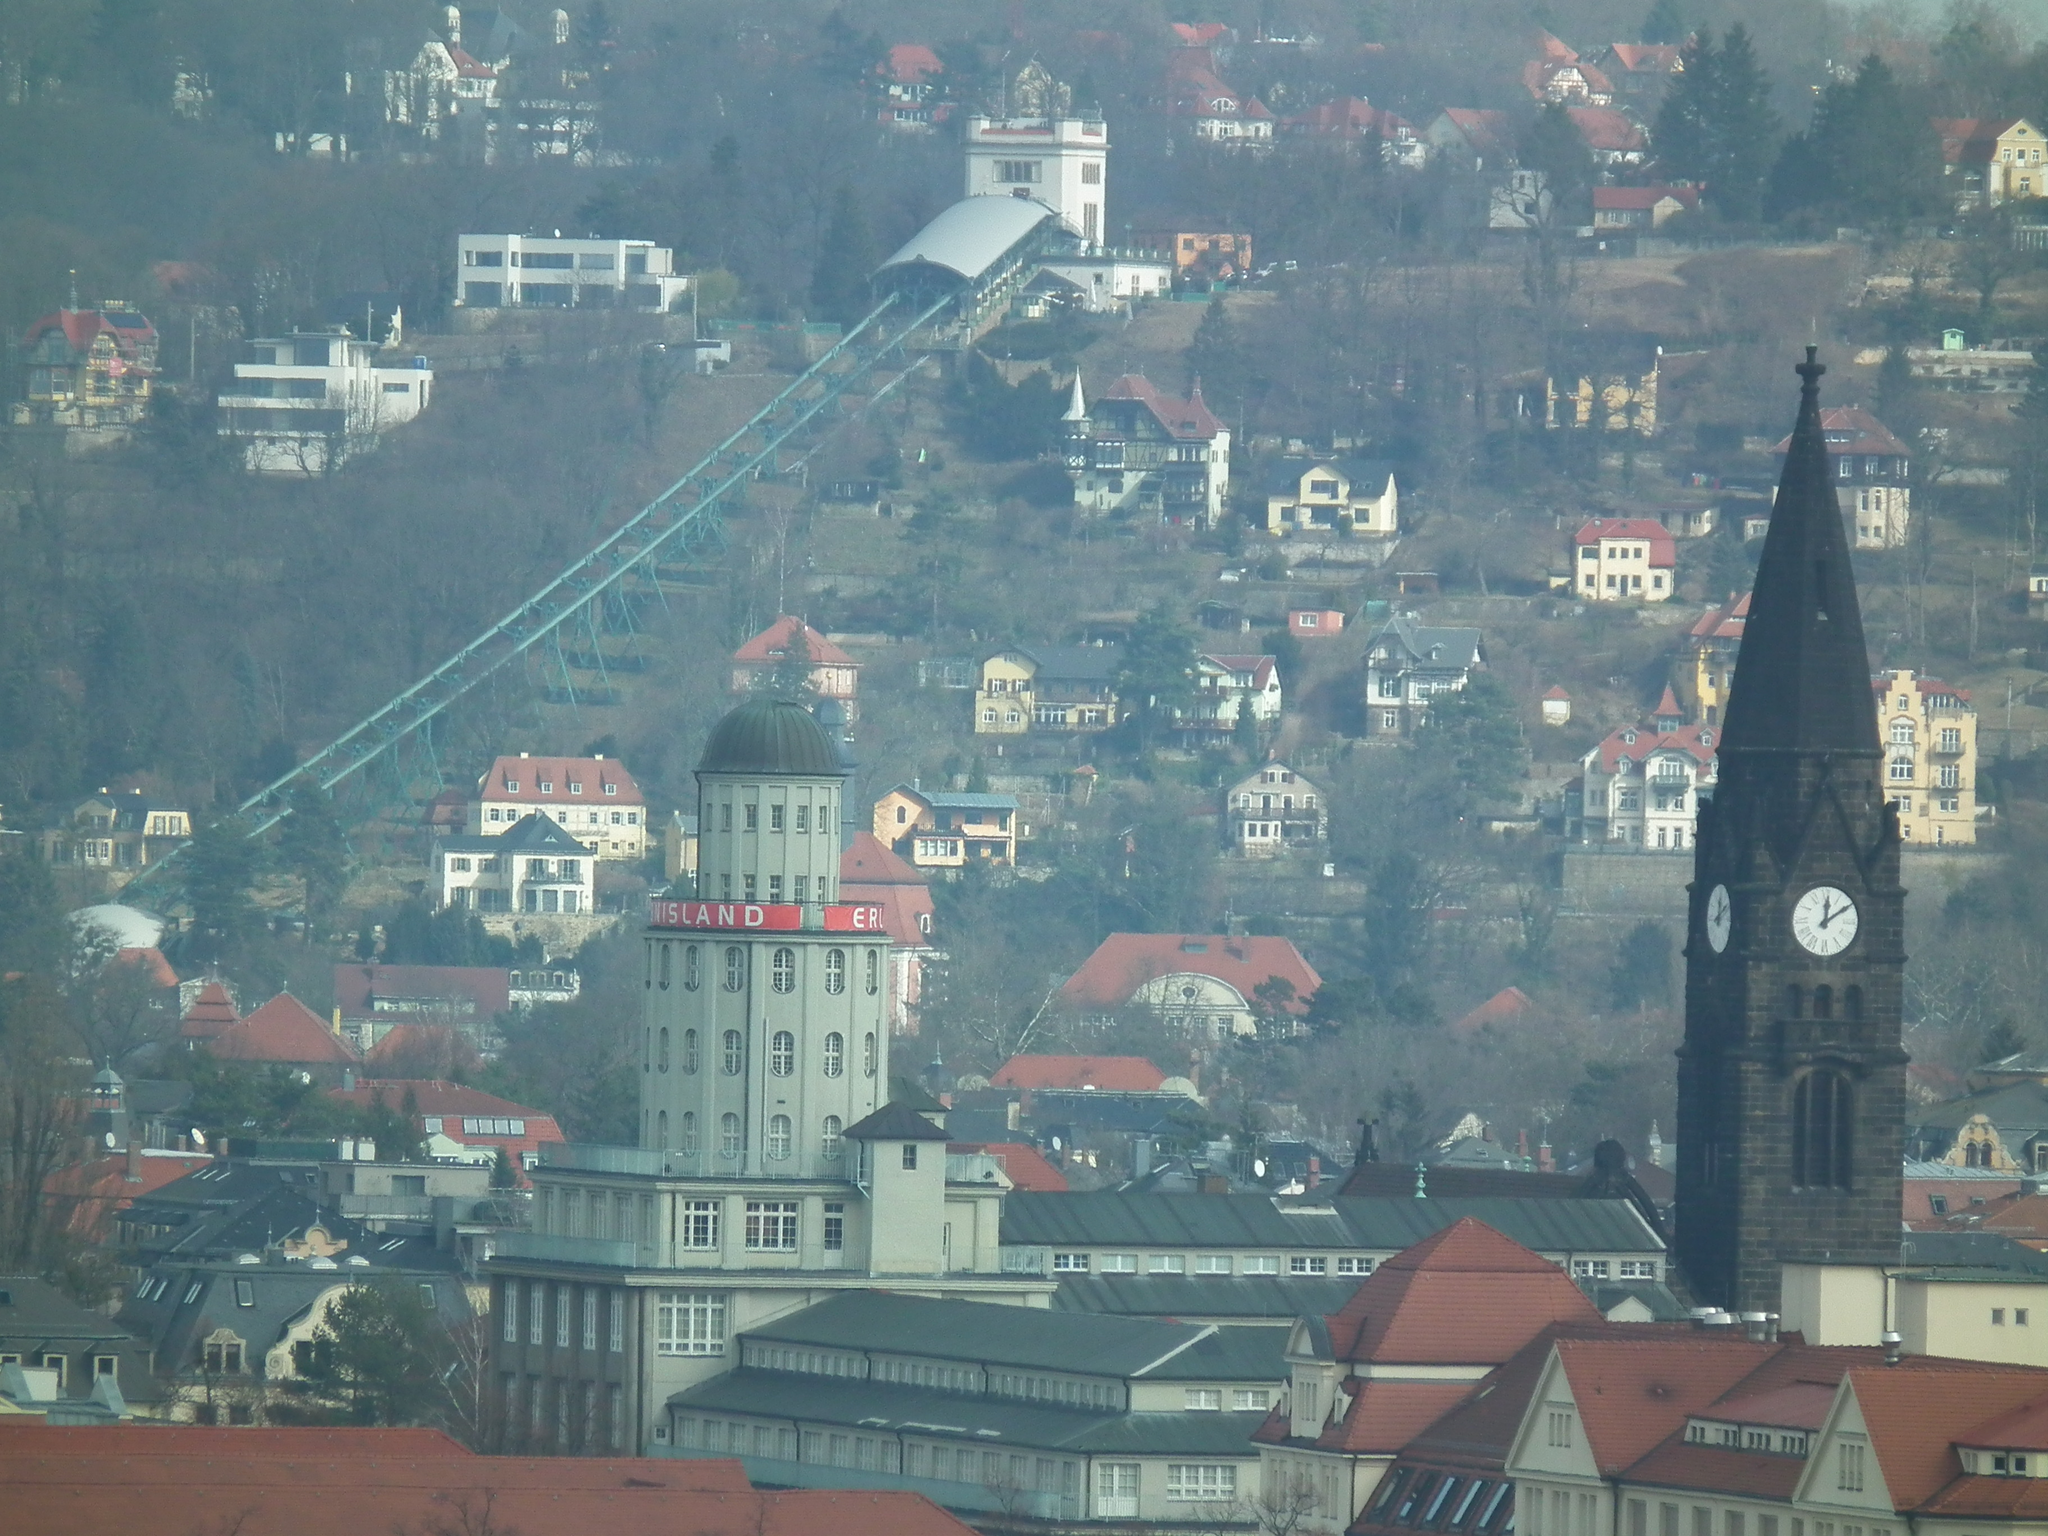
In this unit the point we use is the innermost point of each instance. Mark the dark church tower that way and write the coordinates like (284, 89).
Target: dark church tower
(1791, 1081)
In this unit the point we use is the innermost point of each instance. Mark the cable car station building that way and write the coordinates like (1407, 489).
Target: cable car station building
(770, 1172)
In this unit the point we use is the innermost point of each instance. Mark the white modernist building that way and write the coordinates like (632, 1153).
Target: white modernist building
(549, 272)
(1061, 161)
(306, 403)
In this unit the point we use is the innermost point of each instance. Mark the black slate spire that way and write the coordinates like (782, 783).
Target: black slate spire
(1802, 679)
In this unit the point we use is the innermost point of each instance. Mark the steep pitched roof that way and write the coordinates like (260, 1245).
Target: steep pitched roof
(476, 991)
(1801, 676)
(1639, 743)
(1607, 129)
(1483, 128)
(1466, 1296)
(894, 1122)
(570, 781)
(1722, 623)
(1181, 418)
(1916, 1418)
(868, 861)
(1124, 962)
(1850, 429)
(282, 1030)
(1648, 58)
(210, 1013)
(1642, 199)
(1504, 1007)
(1434, 643)
(910, 64)
(1632, 1392)
(1114, 1072)
(772, 644)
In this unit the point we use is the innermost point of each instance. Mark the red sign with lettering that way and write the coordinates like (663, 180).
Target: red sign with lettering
(856, 919)
(741, 916)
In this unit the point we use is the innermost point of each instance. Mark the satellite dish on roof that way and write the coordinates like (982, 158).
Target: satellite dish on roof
(108, 1138)
(198, 1137)
(1258, 1167)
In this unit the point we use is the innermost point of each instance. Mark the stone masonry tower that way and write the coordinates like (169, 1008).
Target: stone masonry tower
(1791, 1080)
(765, 1026)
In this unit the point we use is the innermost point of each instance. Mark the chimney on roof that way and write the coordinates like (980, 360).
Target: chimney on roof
(597, 756)
(348, 1079)
(526, 754)
(133, 1173)
(1893, 1343)
(1141, 1156)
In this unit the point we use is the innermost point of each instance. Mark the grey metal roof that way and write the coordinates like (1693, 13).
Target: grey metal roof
(1376, 1224)
(1366, 475)
(972, 235)
(2013, 1107)
(891, 1407)
(1228, 1354)
(532, 833)
(985, 1332)
(1068, 663)
(1427, 643)
(950, 800)
(1970, 1250)
(772, 736)
(1279, 1298)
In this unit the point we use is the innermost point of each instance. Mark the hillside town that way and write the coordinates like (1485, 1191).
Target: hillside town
(783, 771)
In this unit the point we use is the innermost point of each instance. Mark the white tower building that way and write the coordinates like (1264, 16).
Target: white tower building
(1060, 160)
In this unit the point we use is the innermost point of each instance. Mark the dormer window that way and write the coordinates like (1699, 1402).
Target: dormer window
(575, 788)
(511, 786)
(547, 786)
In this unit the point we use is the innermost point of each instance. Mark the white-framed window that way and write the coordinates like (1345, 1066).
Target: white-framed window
(835, 971)
(778, 1137)
(1354, 1264)
(1638, 1269)
(735, 1060)
(1307, 1264)
(689, 1141)
(771, 1226)
(561, 1317)
(1589, 1269)
(1200, 1481)
(829, 1138)
(1212, 1263)
(1119, 1264)
(1259, 1264)
(700, 1224)
(782, 1053)
(1250, 1400)
(689, 1323)
(782, 970)
(835, 1054)
(1070, 1263)
(1166, 1264)
(511, 1302)
(1116, 1490)
(536, 1311)
(1202, 1399)
(590, 1317)
(735, 967)
(616, 1343)
(729, 1134)
(1849, 1468)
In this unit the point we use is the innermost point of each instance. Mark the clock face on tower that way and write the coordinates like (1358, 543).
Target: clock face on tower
(1824, 920)
(1720, 917)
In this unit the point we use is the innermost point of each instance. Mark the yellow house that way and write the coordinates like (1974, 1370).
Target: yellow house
(947, 829)
(1929, 734)
(1708, 666)
(1046, 688)
(1331, 495)
(1991, 160)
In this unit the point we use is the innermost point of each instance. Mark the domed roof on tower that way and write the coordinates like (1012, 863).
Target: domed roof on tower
(772, 736)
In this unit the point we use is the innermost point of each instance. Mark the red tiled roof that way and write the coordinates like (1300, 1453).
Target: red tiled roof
(1634, 1392)
(1696, 741)
(484, 989)
(1025, 1165)
(1352, 118)
(590, 774)
(1797, 1405)
(1181, 418)
(1506, 1005)
(1991, 1498)
(153, 964)
(210, 1013)
(1464, 1296)
(1883, 683)
(869, 861)
(81, 327)
(1260, 667)
(1483, 128)
(1556, 691)
(1667, 705)
(1538, 75)
(1722, 623)
(1916, 1418)
(1851, 429)
(1124, 962)
(1607, 128)
(1386, 1415)
(35, 1438)
(910, 63)
(1196, 34)
(1971, 138)
(1648, 58)
(772, 644)
(81, 1495)
(94, 1191)
(283, 1030)
(1642, 199)
(1125, 1073)
(1663, 549)
(1678, 1463)
(432, 1096)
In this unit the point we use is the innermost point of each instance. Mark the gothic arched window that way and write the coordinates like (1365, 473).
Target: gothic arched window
(1823, 1115)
